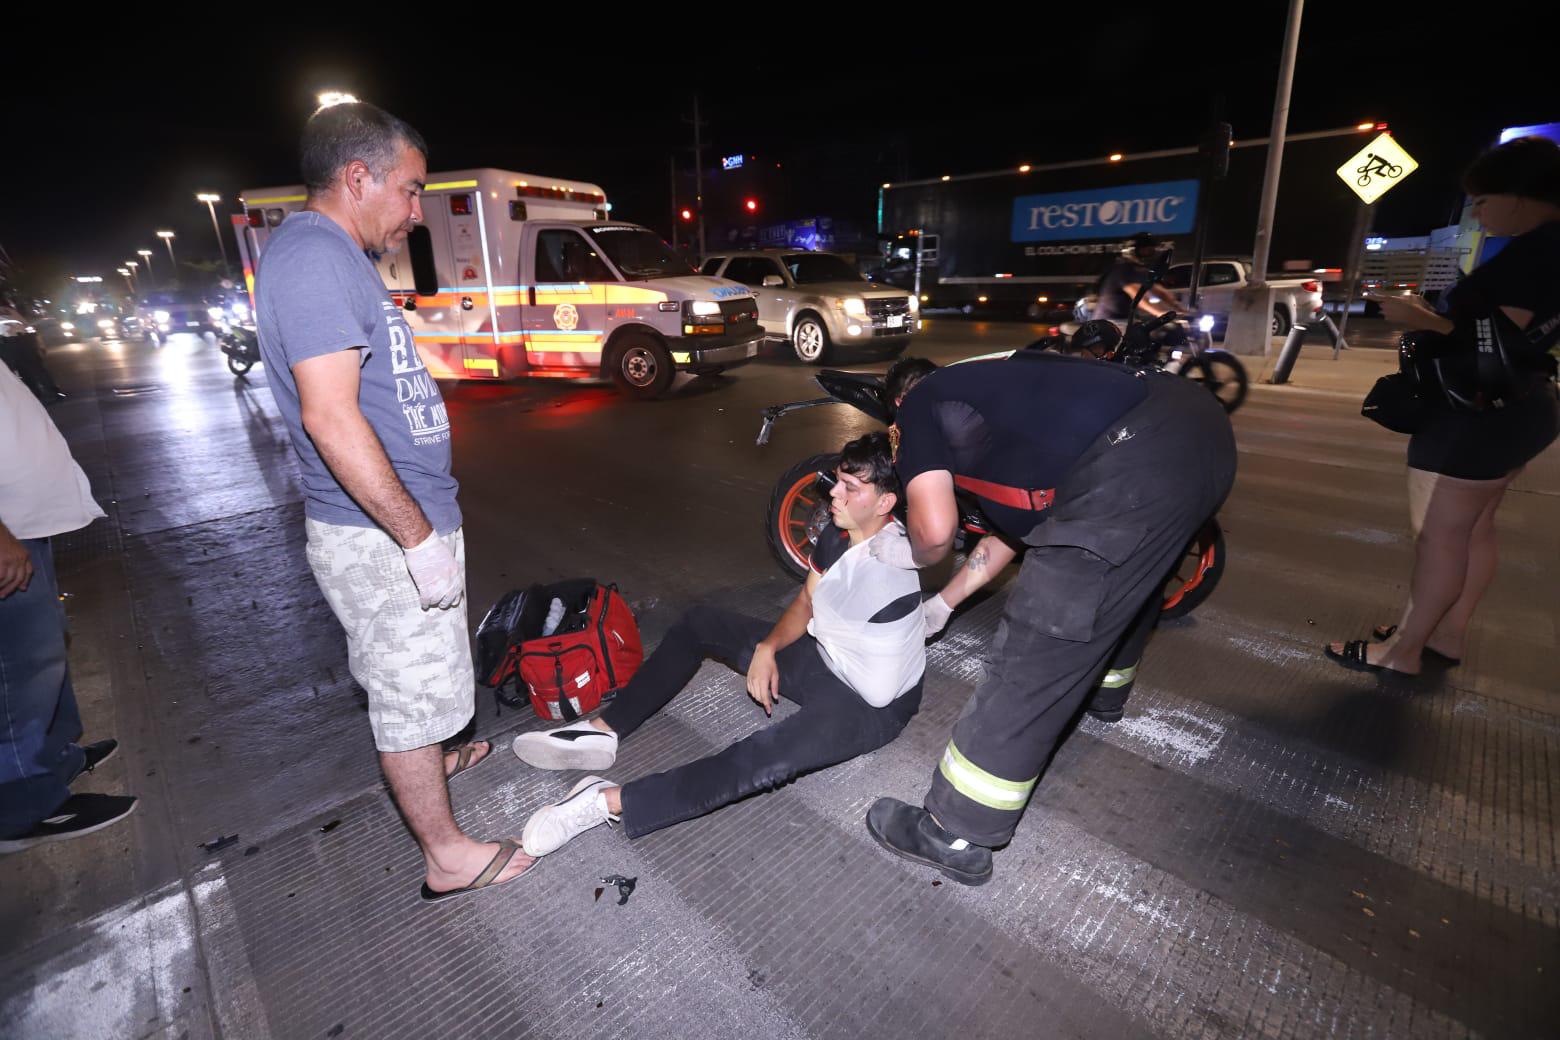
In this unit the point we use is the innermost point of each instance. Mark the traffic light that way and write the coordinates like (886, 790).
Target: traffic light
(751, 205)
(687, 215)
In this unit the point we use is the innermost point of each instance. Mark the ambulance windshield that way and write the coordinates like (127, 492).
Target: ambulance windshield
(639, 254)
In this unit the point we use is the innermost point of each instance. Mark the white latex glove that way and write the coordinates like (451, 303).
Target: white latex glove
(439, 577)
(936, 614)
(892, 546)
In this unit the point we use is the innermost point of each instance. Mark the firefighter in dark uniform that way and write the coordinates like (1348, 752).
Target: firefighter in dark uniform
(1103, 473)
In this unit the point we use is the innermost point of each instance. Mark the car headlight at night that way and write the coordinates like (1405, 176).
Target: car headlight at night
(105, 323)
(162, 316)
(856, 306)
(915, 304)
(68, 326)
(705, 307)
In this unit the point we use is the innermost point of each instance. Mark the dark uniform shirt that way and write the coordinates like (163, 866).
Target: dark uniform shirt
(1021, 423)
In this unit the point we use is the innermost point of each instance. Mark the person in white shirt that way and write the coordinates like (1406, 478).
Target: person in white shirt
(849, 651)
(42, 493)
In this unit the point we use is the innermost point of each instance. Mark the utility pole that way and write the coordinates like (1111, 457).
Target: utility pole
(698, 170)
(1262, 248)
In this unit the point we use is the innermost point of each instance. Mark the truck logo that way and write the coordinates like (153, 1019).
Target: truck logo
(566, 317)
(1166, 208)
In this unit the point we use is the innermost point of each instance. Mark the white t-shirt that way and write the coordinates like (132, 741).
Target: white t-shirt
(42, 491)
(867, 621)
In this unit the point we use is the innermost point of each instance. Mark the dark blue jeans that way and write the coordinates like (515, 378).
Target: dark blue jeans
(39, 723)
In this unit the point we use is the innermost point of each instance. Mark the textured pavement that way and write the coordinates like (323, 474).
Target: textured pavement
(1267, 846)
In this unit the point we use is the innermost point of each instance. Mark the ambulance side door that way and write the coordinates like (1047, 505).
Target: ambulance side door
(566, 327)
(432, 313)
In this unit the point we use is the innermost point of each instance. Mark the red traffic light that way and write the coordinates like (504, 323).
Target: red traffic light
(687, 214)
(751, 205)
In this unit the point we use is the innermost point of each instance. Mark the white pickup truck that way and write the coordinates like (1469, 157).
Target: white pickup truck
(1294, 299)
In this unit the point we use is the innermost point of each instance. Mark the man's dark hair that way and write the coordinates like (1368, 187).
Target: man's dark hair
(339, 134)
(870, 459)
(1527, 166)
(902, 377)
(1143, 242)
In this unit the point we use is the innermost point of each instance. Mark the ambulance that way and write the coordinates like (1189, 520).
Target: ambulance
(517, 275)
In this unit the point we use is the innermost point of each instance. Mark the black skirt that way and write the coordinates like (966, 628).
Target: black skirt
(1487, 445)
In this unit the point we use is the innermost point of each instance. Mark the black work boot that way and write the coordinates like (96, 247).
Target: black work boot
(908, 831)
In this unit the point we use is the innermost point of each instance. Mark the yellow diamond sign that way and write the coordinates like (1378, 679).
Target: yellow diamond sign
(1378, 166)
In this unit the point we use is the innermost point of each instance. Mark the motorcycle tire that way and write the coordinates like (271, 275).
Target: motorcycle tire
(1223, 375)
(239, 366)
(1197, 574)
(797, 509)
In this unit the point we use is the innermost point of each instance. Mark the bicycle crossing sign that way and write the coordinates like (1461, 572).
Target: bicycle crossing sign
(1378, 166)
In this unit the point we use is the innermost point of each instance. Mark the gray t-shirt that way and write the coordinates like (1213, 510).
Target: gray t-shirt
(317, 292)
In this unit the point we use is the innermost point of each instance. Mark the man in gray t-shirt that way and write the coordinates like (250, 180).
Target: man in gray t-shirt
(372, 437)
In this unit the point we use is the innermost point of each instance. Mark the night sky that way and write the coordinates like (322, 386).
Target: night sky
(111, 140)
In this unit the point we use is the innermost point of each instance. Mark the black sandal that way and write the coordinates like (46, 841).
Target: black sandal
(1382, 633)
(1353, 658)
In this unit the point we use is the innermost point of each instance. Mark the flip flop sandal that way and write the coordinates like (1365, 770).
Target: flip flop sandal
(1381, 633)
(1353, 658)
(506, 852)
(463, 761)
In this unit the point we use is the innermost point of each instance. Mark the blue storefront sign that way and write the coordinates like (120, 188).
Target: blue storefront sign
(1166, 208)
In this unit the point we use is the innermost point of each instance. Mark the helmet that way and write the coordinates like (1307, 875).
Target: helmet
(1099, 338)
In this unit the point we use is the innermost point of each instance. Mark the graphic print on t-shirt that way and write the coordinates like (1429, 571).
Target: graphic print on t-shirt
(427, 418)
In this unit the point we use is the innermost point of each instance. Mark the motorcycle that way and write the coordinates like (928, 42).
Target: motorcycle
(241, 346)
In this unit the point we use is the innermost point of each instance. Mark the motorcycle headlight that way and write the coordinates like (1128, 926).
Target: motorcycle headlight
(162, 316)
(855, 306)
(214, 313)
(240, 310)
(1205, 323)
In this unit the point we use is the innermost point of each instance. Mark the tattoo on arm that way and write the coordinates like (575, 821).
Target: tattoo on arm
(978, 560)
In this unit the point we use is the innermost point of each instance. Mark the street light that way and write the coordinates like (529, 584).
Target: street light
(125, 273)
(134, 288)
(146, 255)
(211, 200)
(327, 98)
(167, 237)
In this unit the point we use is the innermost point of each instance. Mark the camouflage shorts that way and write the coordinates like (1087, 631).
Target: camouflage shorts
(414, 663)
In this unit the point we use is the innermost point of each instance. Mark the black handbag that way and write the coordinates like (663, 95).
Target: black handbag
(1396, 403)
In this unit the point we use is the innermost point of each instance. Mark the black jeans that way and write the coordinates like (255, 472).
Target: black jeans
(835, 725)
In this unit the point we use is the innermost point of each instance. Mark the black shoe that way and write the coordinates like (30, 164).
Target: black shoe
(1108, 714)
(908, 831)
(96, 755)
(81, 814)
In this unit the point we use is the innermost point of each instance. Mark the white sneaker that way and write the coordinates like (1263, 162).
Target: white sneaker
(579, 745)
(552, 826)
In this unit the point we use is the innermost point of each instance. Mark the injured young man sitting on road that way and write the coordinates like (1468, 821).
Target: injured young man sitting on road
(849, 650)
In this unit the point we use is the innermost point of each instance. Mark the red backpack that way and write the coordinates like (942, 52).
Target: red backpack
(595, 650)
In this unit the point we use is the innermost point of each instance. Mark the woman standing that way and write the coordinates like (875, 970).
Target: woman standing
(1460, 462)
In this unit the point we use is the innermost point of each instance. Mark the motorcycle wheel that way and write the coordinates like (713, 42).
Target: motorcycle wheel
(1222, 373)
(797, 509)
(238, 365)
(1197, 574)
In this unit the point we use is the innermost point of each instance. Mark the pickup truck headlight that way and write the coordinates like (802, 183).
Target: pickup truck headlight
(855, 306)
